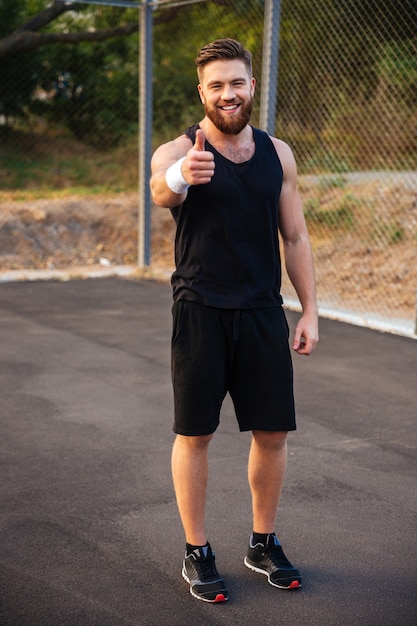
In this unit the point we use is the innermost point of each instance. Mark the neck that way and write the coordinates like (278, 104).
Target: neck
(237, 148)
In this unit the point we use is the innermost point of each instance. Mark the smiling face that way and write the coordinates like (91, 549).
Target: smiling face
(226, 91)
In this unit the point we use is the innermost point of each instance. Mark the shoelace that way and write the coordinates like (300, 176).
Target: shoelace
(277, 556)
(206, 568)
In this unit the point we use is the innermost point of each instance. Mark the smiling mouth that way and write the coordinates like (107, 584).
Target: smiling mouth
(229, 107)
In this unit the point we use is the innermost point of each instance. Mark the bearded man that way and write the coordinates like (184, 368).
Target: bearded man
(232, 189)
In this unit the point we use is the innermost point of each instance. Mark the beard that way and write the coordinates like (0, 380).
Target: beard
(230, 125)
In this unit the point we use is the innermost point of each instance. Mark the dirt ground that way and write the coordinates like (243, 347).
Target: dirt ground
(369, 263)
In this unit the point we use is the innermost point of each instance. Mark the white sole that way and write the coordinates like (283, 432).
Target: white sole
(294, 585)
(222, 599)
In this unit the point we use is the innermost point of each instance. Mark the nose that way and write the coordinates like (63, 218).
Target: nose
(228, 92)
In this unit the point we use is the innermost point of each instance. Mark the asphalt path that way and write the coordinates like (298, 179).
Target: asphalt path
(89, 530)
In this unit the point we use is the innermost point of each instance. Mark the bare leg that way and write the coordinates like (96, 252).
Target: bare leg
(266, 472)
(190, 474)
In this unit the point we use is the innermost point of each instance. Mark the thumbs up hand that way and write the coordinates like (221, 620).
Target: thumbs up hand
(198, 167)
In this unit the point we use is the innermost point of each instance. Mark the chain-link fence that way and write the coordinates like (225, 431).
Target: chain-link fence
(347, 104)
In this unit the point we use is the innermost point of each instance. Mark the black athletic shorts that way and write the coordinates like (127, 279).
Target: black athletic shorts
(241, 351)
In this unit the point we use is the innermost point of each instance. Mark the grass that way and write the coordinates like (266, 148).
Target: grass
(339, 217)
(336, 211)
(332, 182)
(40, 166)
(387, 232)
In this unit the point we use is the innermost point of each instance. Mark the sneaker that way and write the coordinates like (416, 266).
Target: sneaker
(199, 570)
(271, 561)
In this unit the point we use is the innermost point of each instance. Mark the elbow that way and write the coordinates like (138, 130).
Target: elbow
(162, 196)
(158, 201)
(163, 202)
(155, 196)
(292, 242)
(158, 198)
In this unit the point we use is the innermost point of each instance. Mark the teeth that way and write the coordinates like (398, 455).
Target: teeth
(230, 107)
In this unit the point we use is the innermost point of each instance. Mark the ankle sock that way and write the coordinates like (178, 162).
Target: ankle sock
(263, 539)
(190, 548)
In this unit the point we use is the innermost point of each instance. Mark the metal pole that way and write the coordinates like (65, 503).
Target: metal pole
(269, 85)
(145, 132)
(415, 327)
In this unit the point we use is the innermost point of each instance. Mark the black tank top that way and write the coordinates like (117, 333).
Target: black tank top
(226, 245)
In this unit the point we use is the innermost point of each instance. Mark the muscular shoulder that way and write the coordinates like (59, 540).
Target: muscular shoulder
(286, 157)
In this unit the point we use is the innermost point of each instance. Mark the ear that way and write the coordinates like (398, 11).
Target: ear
(252, 86)
(200, 93)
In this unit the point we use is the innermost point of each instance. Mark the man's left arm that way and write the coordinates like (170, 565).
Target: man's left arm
(297, 252)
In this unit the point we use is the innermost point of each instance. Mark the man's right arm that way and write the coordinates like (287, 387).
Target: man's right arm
(164, 157)
(196, 168)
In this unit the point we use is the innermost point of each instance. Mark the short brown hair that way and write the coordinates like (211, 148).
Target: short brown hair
(223, 50)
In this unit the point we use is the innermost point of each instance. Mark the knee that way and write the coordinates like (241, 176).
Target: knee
(275, 440)
(199, 442)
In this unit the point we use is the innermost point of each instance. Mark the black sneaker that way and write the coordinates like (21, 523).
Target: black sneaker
(271, 561)
(199, 570)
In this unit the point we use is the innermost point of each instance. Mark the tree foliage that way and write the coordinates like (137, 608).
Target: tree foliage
(336, 63)
(14, 94)
(77, 64)
(30, 36)
(82, 59)
(89, 85)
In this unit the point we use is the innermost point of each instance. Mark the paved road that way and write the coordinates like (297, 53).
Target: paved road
(89, 528)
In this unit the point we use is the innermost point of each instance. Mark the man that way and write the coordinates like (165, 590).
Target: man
(230, 187)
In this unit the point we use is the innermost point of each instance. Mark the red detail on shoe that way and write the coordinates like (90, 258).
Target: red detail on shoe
(294, 585)
(220, 598)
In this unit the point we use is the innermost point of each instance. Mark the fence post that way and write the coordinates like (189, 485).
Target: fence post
(145, 132)
(269, 85)
(415, 326)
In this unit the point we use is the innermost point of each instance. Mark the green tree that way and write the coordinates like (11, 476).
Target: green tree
(81, 57)
(69, 75)
(18, 74)
(40, 14)
(93, 87)
(331, 69)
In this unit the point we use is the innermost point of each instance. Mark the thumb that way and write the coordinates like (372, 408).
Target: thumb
(297, 338)
(200, 139)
